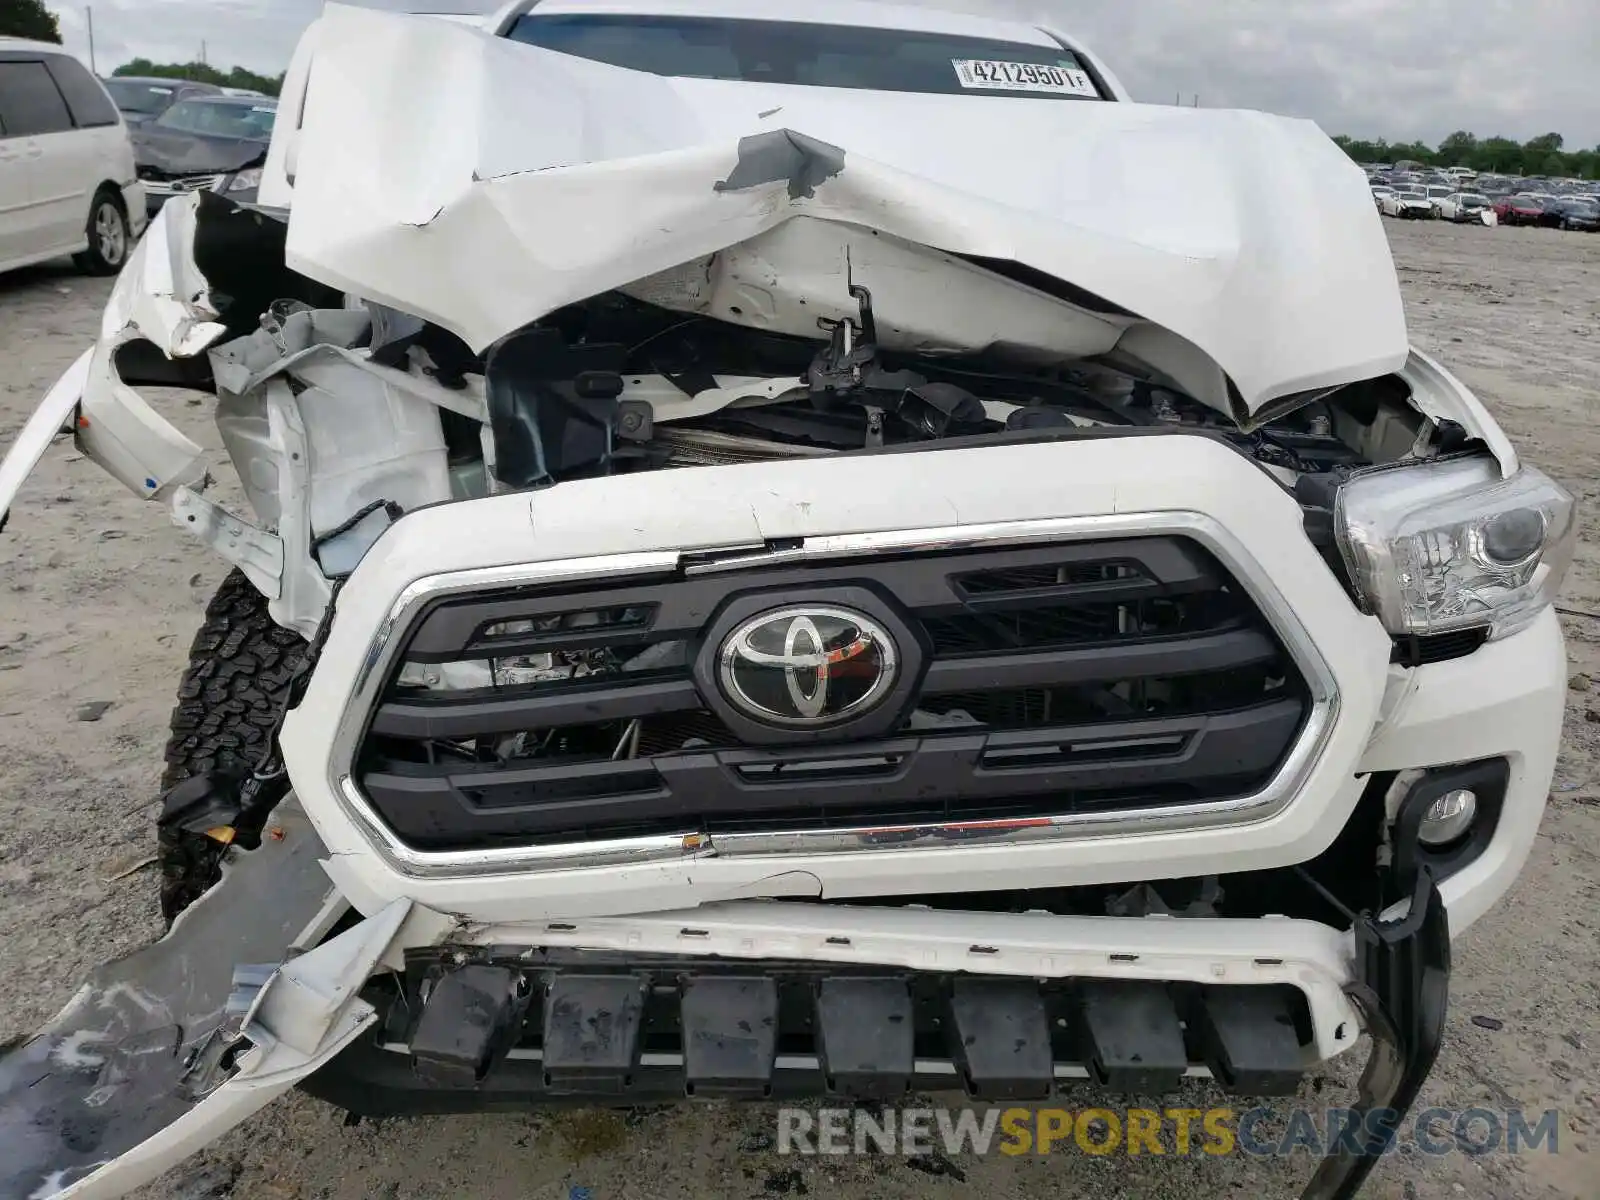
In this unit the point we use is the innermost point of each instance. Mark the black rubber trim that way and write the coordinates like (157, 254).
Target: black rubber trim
(944, 776)
(1402, 993)
(603, 1026)
(470, 715)
(679, 607)
(463, 715)
(1437, 647)
(1156, 658)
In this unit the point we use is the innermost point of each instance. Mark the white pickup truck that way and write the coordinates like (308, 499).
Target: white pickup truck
(782, 564)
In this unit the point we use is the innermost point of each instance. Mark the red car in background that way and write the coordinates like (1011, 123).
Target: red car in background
(1519, 210)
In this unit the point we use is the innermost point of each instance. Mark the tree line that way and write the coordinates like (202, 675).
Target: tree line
(1543, 155)
(28, 19)
(198, 72)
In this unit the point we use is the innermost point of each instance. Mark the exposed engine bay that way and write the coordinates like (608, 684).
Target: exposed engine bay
(618, 384)
(341, 414)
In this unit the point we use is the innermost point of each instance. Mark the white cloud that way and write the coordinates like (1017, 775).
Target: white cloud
(1400, 69)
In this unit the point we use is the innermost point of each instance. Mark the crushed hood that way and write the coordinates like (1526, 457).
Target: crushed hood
(482, 183)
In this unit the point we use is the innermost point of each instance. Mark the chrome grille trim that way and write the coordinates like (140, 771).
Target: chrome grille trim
(182, 185)
(1259, 806)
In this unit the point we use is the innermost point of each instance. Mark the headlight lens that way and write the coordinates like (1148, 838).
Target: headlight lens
(1433, 547)
(245, 181)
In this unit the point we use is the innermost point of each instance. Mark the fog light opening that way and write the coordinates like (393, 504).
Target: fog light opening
(1449, 818)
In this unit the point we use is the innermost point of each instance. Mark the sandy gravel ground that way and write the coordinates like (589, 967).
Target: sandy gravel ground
(99, 597)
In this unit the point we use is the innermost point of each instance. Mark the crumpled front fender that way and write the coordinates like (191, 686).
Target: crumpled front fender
(162, 1052)
(162, 297)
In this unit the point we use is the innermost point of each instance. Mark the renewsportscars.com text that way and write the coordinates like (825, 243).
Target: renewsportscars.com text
(1216, 1132)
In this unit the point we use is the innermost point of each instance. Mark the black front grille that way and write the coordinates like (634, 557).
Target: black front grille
(1078, 678)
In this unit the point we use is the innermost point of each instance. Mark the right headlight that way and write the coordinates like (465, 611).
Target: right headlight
(1434, 547)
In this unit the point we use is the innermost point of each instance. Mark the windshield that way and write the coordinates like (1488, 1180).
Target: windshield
(139, 97)
(211, 119)
(1412, 196)
(889, 60)
(1474, 201)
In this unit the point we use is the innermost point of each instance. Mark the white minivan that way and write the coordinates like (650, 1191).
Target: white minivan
(67, 179)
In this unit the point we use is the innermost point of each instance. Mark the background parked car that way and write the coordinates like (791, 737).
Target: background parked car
(1379, 191)
(210, 143)
(1577, 214)
(1550, 211)
(67, 182)
(1463, 206)
(1410, 205)
(144, 98)
(1519, 210)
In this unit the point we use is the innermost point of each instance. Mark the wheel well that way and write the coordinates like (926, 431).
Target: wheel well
(115, 192)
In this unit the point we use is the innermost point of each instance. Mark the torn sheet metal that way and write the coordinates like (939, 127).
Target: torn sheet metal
(799, 274)
(106, 1074)
(1440, 395)
(421, 183)
(54, 414)
(160, 296)
(253, 550)
(318, 433)
(161, 293)
(164, 1051)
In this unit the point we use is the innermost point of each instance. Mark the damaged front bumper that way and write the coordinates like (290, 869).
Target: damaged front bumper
(134, 1076)
(114, 1090)
(162, 1052)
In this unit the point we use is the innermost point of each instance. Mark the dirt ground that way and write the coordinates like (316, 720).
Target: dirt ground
(99, 597)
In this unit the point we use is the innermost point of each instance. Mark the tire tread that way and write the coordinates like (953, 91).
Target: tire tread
(240, 666)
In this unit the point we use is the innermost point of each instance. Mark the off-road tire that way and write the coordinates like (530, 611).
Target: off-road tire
(229, 701)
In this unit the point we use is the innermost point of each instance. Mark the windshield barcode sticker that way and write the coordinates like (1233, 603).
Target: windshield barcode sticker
(989, 75)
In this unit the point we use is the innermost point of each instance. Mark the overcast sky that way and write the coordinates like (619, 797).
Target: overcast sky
(1400, 69)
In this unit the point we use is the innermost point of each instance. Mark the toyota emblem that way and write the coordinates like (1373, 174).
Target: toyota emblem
(807, 667)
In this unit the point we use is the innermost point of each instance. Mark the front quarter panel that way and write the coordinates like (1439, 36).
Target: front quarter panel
(162, 297)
